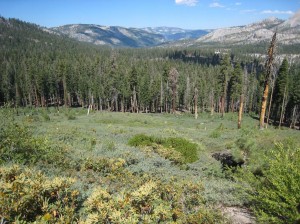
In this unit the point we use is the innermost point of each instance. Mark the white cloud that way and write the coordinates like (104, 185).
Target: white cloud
(277, 12)
(216, 5)
(238, 3)
(186, 2)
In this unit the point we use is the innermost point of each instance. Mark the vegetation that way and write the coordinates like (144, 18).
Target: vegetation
(151, 180)
(274, 195)
(40, 69)
(187, 150)
(66, 158)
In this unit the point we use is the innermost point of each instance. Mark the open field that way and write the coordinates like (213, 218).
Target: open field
(93, 150)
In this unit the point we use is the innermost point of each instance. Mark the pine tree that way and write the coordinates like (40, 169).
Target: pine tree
(173, 80)
(281, 88)
(223, 80)
(235, 85)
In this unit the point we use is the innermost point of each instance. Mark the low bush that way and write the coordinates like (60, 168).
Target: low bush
(18, 145)
(274, 194)
(187, 149)
(217, 132)
(104, 165)
(150, 202)
(28, 195)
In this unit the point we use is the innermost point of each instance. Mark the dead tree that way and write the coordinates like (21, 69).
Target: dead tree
(268, 70)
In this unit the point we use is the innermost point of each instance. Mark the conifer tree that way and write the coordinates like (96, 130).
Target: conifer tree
(281, 90)
(173, 79)
(223, 81)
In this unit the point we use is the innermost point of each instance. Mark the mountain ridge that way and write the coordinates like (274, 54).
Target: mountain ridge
(117, 36)
(288, 32)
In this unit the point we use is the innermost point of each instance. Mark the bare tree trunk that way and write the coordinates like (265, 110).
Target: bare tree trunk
(161, 95)
(268, 67)
(212, 106)
(282, 107)
(65, 91)
(241, 111)
(196, 103)
(294, 117)
(270, 104)
(222, 106)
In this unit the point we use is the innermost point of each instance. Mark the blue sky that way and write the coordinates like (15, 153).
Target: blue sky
(190, 14)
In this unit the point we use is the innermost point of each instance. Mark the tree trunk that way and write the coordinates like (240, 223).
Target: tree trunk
(65, 91)
(270, 104)
(196, 103)
(161, 96)
(222, 106)
(212, 102)
(37, 102)
(268, 66)
(294, 117)
(282, 107)
(241, 111)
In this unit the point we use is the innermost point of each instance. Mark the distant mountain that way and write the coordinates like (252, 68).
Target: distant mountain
(175, 34)
(117, 36)
(114, 36)
(288, 32)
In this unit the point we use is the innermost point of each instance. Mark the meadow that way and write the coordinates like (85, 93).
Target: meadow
(108, 167)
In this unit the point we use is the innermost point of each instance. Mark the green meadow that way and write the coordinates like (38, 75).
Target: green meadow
(69, 167)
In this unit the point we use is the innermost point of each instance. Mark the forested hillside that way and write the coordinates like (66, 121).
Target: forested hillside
(42, 69)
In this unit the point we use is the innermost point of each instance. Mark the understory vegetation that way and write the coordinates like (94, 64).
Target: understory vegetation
(142, 168)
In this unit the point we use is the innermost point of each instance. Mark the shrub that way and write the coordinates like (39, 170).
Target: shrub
(150, 202)
(217, 132)
(109, 145)
(104, 165)
(17, 144)
(274, 196)
(28, 195)
(187, 149)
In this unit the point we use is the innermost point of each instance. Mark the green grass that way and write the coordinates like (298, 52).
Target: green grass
(118, 150)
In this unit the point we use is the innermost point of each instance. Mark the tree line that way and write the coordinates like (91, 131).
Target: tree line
(40, 69)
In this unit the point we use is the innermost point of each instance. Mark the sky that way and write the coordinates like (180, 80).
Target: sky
(188, 14)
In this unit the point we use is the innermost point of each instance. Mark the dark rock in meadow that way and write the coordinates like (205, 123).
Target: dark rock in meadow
(227, 160)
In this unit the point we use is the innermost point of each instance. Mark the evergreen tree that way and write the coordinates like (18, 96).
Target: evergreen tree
(281, 91)
(223, 81)
(235, 86)
(173, 80)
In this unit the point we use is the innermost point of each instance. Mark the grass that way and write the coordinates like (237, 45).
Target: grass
(97, 145)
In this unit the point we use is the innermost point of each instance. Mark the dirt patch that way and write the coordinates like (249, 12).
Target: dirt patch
(239, 215)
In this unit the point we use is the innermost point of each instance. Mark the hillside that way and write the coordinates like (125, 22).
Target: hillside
(288, 32)
(116, 36)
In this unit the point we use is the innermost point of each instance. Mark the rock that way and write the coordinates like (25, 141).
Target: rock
(227, 160)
